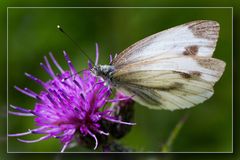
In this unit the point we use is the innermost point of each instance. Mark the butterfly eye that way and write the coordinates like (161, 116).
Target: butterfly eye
(95, 70)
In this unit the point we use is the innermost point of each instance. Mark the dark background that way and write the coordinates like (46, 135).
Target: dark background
(32, 34)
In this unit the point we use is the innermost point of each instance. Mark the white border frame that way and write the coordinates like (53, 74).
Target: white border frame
(120, 8)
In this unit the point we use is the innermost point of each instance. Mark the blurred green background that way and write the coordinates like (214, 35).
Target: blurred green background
(32, 34)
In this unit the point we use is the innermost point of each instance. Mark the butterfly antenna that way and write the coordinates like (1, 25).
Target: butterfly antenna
(76, 44)
(66, 78)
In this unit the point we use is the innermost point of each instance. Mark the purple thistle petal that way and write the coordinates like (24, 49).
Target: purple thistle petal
(110, 58)
(118, 99)
(21, 109)
(65, 146)
(72, 69)
(21, 114)
(31, 92)
(97, 55)
(78, 84)
(49, 66)
(54, 131)
(25, 92)
(67, 85)
(90, 66)
(20, 134)
(104, 133)
(107, 112)
(36, 140)
(51, 100)
(26, 133)
(95, 138)
(100, 131)
(47, 70)
(97, 84)
(56, 63)
(34, 79)
(118, 121)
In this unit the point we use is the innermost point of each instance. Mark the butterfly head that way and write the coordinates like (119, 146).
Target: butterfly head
(104, 71)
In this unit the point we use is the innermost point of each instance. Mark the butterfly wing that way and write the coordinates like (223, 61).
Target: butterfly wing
(172, 69)
(173, 83)
(193, 38)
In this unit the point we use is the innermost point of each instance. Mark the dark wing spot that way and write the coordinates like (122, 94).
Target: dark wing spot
(183, 74)
(195, 73)
(191, 50)
(174, 86)
(192, 74)
(205, 29)
(212, 64)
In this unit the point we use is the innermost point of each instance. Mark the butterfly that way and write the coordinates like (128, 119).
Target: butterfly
(172, 69)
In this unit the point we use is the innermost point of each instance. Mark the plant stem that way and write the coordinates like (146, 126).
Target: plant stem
(167, 146)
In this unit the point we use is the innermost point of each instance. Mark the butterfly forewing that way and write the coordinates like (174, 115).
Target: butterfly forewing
(194, 38)
(172, 69)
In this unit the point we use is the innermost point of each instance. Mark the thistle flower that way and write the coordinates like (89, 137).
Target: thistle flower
(70, 104)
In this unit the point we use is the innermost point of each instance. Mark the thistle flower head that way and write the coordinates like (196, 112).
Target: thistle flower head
(70, 104)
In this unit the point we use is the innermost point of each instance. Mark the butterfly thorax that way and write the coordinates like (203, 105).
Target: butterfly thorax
(104, 71)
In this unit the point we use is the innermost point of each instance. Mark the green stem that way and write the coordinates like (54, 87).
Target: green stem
(167, 146)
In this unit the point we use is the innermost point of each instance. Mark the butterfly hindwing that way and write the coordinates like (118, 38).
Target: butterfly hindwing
(180, 84)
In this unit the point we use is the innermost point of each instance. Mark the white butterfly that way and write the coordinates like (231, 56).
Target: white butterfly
(172, 69)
